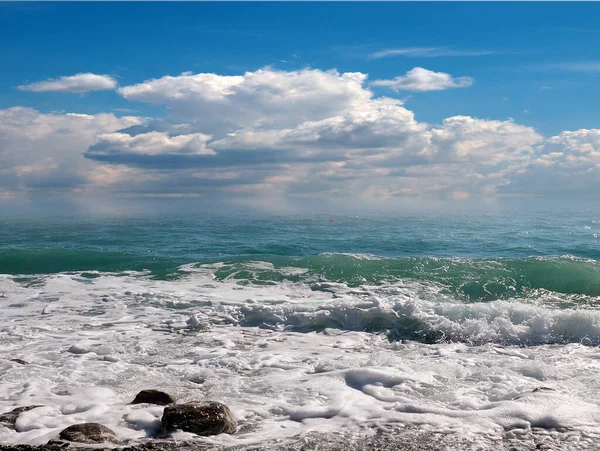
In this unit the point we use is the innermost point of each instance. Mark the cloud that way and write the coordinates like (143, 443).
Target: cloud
(43, 152)
(565, 164)
(273, 134)
(484, 142)
(151, 143)
(590, 66)
(585, 66)
(423, 80)
(264, 98)
(308, 133)
(78, 83)
(375, 125)
(270, 117)
(427, 52)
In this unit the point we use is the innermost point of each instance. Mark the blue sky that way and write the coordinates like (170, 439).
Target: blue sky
(532, 46)
(533, 65)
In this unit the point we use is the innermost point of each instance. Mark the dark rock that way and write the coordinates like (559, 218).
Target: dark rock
(10, 418)
(47, 447)
(88, 433)
(202, 418)
(58, 444)
(153, 397)
(538, 389)
(21, 361)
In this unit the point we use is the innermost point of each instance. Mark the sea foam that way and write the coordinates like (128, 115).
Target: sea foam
(293, 356)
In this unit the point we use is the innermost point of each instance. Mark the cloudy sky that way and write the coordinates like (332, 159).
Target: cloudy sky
(272, 103)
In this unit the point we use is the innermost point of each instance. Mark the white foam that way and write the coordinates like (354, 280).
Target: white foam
(94, 343)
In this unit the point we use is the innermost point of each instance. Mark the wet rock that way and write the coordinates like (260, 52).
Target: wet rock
(47, 447)
(10, 418)
(88, 433)
(153, 397)
(59, 444)
(78, 348)
(20, 361)
(536, 390)
(539, 389)
(202, 418)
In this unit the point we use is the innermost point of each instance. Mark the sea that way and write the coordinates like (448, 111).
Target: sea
(483, 326)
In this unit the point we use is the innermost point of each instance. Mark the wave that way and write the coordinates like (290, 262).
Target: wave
(57, 260)
(512, 301)
(500, 322)
(470, 280)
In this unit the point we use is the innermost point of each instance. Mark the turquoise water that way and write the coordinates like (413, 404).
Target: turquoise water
(475, 257)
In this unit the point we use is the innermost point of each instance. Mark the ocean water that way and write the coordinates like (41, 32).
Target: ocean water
(482, 325)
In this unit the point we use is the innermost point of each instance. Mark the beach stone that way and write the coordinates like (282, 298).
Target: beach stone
(59, 444)
(10, 418)
(202, 418)
(88, 433)
(20, 361)
(539, 389)
(46, 447)
(153, 397)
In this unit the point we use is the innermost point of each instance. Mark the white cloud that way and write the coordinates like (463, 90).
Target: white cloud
(484, 142)
(375, 125)
(303, 134)
(78, 83)
(43, 152)
(264, 98)
(313, 132)
(152, 143)
(422, 80)
(427, 52)
(566, 164)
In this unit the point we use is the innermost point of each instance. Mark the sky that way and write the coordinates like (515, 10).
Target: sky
(273, 105)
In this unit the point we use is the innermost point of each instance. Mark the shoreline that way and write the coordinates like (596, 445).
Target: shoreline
(392, 440)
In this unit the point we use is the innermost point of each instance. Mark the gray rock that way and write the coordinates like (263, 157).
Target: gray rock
(539, 389)
(88, 433)
(202, 418)
(153, 397)
(10, 418)
(58, 444)
(20, 361)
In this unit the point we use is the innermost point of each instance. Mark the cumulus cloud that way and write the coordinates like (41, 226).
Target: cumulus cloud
(151, 143)
(566, 164)
(311, 132)
(375, 125)
(300, 134)
(264, 98)
(484, 142)
(43, 152)
(78, 83)
(423, 80)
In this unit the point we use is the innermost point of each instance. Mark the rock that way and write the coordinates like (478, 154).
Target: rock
(78, 348)
(88, 433)
(10, 418)
(202, 418)
(539, 389)
(58, 444)
(153, 397)
(21, 361)
(46, 447)
(536, 390)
